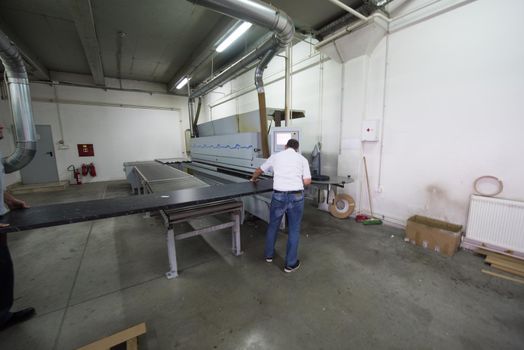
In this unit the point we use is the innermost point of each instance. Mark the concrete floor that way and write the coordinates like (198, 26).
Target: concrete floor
(359, 287)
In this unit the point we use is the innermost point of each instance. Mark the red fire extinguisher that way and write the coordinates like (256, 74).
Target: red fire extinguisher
(92, 170)
(85, 169)
(76, 174)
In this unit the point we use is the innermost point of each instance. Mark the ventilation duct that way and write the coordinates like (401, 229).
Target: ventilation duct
(358, 39)
(20, 101)
(262, 14)
(256, 12)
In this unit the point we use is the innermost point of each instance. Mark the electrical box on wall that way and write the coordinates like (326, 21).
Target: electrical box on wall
(86, 150)
(370, 130)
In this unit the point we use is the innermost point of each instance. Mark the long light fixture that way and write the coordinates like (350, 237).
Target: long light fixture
(233, 36)
(182, 83)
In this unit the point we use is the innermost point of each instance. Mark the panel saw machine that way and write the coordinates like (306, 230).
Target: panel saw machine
(226, 153)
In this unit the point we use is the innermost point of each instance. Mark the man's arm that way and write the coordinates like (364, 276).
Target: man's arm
(306, 174)
(268, 164)
(14, 203)
(256, 174)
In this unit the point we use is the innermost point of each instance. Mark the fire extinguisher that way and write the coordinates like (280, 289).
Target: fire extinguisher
(76, 174)
(92, 170)
(85, 169)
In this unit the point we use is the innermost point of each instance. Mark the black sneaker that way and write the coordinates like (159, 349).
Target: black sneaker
(269, 259)
(292, 268)
(19, 316)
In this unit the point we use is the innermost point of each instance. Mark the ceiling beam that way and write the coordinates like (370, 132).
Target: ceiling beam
(37, 68)
(85, 26)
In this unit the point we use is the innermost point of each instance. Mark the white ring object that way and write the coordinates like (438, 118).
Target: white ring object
(488, 177)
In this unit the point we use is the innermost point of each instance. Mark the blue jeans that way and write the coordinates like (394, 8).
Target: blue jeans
(291, 204)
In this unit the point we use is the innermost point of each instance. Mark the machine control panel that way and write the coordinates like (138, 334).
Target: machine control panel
(279, 136)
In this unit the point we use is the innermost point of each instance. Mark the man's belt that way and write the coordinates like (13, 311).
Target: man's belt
(289, 192)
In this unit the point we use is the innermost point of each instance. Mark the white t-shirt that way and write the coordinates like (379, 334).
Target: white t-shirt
(289, 170)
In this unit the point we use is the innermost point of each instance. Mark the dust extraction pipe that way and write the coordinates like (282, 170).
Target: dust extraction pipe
(257, 12)
(20, 101)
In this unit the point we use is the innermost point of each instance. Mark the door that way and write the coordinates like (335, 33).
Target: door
(43, 166)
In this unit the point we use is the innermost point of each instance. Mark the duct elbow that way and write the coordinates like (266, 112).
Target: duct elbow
(23, 154)
(20, 101)
(284, 29)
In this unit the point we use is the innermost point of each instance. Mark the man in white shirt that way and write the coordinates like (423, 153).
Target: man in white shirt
(290, 175)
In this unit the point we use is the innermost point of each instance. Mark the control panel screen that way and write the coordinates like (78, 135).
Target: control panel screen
(282, 138)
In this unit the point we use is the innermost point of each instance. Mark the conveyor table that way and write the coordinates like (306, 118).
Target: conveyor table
(161, 178)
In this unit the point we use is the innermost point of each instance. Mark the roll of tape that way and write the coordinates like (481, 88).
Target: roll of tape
(342, 206)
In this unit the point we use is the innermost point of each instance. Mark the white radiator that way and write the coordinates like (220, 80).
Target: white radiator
(495, 223)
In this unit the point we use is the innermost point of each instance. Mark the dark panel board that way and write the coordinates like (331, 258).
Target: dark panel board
(68, 213)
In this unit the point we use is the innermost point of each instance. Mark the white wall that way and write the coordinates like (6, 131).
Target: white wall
(122, 125)
(452, 113)
(446, 85)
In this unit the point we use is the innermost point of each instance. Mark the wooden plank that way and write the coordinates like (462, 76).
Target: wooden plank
(132, 344)
(486, 251)
(506, 265)
(517, 280)
(508, 269)
(505, 257)
(117, 338)
(504, 262)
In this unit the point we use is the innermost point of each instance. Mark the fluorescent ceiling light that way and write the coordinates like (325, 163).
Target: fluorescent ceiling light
(233, 36)
(182, 83)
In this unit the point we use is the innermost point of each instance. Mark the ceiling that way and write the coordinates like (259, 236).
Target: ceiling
(151, 41)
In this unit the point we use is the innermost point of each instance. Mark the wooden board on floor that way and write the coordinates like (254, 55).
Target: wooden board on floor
(505, 258)
(507, 254)
(503, 262)
(128, 336)
(508, 264)
(491, 273)
(507, 269)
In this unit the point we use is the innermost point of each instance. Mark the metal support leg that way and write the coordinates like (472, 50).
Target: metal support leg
(171, 253)
(235, 234)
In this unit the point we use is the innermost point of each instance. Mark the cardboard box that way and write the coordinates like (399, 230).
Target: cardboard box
(433, 234)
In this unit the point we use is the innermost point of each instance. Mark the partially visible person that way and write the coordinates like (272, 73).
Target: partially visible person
(290, 175)
(8, 318)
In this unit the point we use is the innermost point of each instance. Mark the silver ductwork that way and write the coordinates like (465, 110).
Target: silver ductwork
(257, 12)
(262, 14)
(20, 101)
